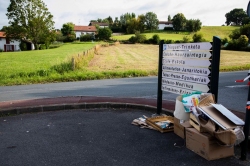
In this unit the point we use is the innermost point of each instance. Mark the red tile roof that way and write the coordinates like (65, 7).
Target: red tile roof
(85, 28)
(2, 34)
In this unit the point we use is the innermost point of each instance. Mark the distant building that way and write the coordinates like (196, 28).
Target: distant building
(100, 24)
(8, 45)
(163, 24)
(83, 30)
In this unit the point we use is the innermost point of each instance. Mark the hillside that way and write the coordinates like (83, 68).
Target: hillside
(207, 31)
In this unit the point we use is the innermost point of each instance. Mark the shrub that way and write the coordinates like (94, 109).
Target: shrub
(138, 38)
(87, 37)
(42, 47)
(198, 37)
(242, 41)
(168, 28)
(238, 44)
(224, 41)
(23, 46)
(186, 39)
(168, 41)
(156, 39)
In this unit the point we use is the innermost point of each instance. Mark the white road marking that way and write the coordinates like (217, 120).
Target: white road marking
(236, 86)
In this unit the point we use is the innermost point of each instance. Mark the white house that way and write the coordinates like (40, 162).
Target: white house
(163, 24)
(7, 45)
(83, 30)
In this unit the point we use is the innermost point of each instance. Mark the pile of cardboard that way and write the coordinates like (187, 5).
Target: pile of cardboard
(211, 131)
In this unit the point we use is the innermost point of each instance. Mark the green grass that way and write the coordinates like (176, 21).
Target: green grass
(30, 61)
(113, 61)
(207, 31)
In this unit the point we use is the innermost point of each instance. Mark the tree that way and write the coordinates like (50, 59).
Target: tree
(193, 25)
(246, 20)
(179, 22)
(124, 19)
(151, 21)
(30, 20)
(141, 19)
(132, 26)
(169, 18)
(110, 20)
(67, 29)
(104, 33)
(235, 17)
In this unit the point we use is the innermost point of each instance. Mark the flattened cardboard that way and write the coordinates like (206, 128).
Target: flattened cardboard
(179, 128)
(206, 146)
(217, 117)
(236, 120)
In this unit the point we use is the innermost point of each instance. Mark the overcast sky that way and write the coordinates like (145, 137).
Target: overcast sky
(80, 12)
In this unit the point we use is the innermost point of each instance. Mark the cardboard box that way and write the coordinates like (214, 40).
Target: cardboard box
(179, 128)
(206, 146)
(193, 121)
(225, 119)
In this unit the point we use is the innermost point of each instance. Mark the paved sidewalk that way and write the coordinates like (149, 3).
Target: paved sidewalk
(91, 130)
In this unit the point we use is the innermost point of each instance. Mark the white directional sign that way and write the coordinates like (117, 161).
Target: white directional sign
(186, 85)
(187, 62)
(186, 69)
(188, 46)
(176, 90)
(187, 54)
(185, 77)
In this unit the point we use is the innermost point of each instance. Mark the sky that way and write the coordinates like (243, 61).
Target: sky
(80, 12)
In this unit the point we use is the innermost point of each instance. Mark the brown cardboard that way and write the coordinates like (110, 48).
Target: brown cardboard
(193, 121)
(206, 146)
(179, 128)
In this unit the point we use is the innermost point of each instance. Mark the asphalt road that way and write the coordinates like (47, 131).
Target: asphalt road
(232, 95)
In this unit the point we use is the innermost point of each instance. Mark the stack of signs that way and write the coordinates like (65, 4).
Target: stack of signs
(186, 67)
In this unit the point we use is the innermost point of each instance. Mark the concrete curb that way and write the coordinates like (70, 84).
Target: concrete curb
(84, 106)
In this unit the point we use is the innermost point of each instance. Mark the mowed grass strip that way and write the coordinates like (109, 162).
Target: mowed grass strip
(145, 57)
(125, 57)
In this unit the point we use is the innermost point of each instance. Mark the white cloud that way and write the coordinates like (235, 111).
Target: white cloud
(81, 12)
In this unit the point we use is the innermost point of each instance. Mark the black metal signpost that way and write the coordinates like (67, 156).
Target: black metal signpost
(212, 79)
(244, 144)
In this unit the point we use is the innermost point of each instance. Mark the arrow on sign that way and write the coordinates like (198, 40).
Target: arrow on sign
(186, 85)
(186, 77)
(187, 62)
(188, 70)
(188, 46)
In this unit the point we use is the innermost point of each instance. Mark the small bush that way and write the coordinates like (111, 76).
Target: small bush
(186, 39)
(42, 47)
(87, 37)
(168, 28)
(198, 37)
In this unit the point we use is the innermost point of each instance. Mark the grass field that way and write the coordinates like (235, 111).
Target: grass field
(113, 61)
(207, 31)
